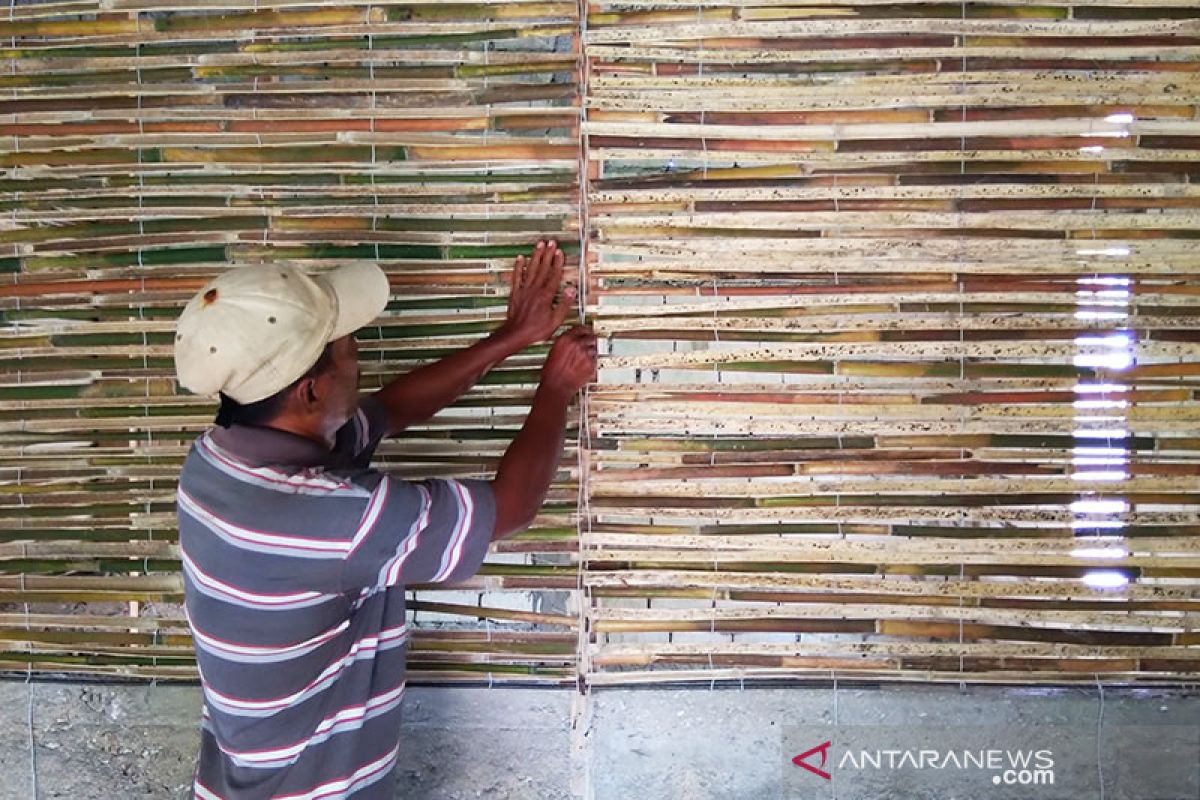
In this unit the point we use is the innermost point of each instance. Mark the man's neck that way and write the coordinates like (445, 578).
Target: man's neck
(302, 427)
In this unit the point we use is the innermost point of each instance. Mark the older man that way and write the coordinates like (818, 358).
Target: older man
(296, 553)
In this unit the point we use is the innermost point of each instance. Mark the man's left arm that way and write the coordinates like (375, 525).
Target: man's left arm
(536, 309)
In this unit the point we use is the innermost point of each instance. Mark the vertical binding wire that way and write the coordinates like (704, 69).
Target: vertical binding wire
(33, 776)
(374, 168)
(836, 723)
(582, 705)
(583, 449)
(374, 154)
(700, 58)
(1100, 735)
(962, 352)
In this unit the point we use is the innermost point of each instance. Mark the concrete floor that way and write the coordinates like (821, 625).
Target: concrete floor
(138, 741)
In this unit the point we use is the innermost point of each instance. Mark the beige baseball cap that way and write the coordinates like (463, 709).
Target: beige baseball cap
(254, 330)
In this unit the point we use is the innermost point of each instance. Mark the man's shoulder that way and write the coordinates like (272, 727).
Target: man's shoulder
(211, 468)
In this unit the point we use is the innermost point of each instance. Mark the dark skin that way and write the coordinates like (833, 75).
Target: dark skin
(538, 305)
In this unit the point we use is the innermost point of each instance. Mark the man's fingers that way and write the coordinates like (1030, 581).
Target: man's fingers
(539, 257)
(575, 331)
(563, 305)
(577, 339)
(542, 270)
(560, 313)
(553, 271)
(518, 274)
(529, 267)
(543, 277)
(574, 355)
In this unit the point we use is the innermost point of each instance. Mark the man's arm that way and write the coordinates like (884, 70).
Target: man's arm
(529, 463)
(536, 308)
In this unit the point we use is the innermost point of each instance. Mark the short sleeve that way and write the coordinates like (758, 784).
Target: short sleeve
(433, 531)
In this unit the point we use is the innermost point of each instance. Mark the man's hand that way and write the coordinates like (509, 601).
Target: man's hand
(571, 364)
(538, 303)
(536, 309)
(528, 465)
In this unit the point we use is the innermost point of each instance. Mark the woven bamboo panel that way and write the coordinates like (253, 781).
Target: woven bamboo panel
(899, 302)
(902, 309)
(149, 145)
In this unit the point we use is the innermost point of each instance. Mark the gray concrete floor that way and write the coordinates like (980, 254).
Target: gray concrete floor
(83, 740)
(738, 745)
(92, 740)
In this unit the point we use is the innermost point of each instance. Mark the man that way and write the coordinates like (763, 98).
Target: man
(296, 553)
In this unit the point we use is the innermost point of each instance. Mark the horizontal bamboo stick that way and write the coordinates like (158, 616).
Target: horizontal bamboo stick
(899, 515)
(607, 620)
(848, 190)
(776, 50)
(953, 587)
(1015, 4)
(847, 132)
(824, 671)
(848, 219)
(979, 27)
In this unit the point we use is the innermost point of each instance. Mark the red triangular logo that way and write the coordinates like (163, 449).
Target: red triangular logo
(823, 749)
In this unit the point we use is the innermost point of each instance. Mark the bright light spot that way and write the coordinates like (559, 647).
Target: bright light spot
(1100, 387)
(1099, 552)
(1094, 149)
(1104, 251)
(1100, 475)
(1101, 404)
(1099, 507)
(1105, 299)
(1110, 299)
(1111, 340)
(1117, 360)
(1089, 461)
(1096, 295)
(1105, 579)
(1102, 298)
(1084, 453)
(1119, 119)
(1113, 315)
(1109, 280)
(1097, 524)
(1100, 433)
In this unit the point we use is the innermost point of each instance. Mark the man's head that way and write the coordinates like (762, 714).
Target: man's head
(275, 342)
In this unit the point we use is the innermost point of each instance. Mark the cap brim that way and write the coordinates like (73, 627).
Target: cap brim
(362, 293)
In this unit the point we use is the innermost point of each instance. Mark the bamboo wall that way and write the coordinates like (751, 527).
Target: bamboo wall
(903, 313)
(898, 303)
(148, 146)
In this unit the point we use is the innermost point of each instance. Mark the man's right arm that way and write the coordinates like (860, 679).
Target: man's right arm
(530, 462)
(439, 530)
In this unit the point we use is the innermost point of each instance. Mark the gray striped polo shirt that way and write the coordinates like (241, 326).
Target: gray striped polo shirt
(295, 560)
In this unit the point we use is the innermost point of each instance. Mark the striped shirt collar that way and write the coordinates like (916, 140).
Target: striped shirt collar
(259, 446)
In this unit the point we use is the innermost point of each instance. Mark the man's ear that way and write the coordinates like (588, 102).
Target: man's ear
(306, 392)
